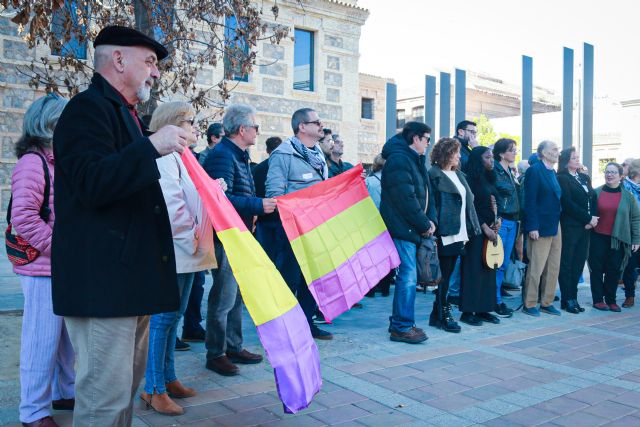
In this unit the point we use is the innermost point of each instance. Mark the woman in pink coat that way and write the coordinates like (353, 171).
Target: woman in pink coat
(46, 354)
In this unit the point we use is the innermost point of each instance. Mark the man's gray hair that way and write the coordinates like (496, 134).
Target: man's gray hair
(523, 165)
(237, 115)
(299, 117)
(542, 146)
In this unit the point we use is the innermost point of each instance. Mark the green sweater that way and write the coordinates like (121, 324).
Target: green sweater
(626, 227)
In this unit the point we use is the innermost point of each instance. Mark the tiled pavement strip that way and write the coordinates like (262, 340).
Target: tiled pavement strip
(573, 370)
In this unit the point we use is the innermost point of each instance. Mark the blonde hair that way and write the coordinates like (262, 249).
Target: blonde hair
(170, 113)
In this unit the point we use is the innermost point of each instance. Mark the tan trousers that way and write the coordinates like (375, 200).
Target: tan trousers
(111, 355)
(544, 267)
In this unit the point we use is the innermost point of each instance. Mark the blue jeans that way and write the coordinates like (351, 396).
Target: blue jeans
(163, 328)
(507, 233)
(404, 296)
(454, 280)
(192, 315)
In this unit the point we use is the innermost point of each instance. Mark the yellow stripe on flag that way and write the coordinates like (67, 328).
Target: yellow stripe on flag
(327, 246)
(264, 292)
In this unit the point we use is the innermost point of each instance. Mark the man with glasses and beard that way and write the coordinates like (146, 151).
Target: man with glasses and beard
(298, 163)
(113, 262)
(466, 134)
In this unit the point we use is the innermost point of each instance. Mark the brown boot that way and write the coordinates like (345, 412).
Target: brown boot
(161, 403)
(178, 391)
(629, 302)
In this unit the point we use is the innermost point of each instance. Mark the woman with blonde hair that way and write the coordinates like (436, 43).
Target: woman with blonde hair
(193, 245)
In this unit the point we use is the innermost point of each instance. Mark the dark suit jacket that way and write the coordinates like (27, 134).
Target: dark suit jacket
(541, 200)
(577, 208)
(112, 253)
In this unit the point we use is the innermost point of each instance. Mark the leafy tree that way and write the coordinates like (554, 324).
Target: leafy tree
(486, 134)
(192, 30)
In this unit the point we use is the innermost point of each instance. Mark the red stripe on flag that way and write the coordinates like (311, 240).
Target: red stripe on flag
(225, 216)
(315, 205)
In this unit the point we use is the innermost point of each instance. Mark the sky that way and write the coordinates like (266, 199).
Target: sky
(406, 39)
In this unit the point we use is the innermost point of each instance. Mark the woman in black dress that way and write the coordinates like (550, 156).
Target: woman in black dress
(478, 285)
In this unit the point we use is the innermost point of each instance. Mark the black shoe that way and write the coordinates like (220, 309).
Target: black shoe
(319, 334)
(412, 336)
(510, 287)
(454, 300)
(503, 311)
(357, 305)
(182, 346)
(504, 293)
(556, 298)
(470, 319)
(448, 323)
(193, 336)
(579, 307)
(571, 306)
(488, 317)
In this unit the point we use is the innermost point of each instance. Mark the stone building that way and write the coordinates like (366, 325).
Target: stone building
(318, 70)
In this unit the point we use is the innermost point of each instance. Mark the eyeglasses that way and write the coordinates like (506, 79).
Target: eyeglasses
(190, 121)
(611, 172)
(256, 127)
(471, 131)
(428, 138)
(315, 122)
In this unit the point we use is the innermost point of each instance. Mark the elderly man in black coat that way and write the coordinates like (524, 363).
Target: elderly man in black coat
(112, 257)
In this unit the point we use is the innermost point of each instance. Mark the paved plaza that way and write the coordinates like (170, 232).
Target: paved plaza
(573, 370)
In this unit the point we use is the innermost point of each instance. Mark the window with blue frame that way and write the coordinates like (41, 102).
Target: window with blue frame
(303, 60)
(73, 46)
(236, 48)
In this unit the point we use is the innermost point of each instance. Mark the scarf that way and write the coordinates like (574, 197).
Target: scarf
(313, 156)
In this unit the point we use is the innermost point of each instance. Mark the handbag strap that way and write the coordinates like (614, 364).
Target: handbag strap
(45, 211)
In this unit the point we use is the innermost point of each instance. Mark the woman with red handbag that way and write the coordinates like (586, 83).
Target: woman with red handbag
(46, 355)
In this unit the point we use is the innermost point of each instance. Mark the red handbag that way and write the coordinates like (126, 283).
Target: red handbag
(19, 251)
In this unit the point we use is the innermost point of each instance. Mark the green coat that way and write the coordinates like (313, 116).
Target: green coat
(626, 227)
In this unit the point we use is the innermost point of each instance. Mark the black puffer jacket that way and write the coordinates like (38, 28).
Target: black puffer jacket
(404, 192)
(507, 186)
(449, 202)
(230, 162)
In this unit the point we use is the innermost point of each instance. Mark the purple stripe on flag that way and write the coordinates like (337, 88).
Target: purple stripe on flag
(290, 348)
(337, 291)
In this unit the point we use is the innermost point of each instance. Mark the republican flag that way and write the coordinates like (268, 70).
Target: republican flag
(281, 324)
(339, 239)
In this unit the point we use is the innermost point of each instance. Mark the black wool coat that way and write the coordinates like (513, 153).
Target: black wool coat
(112, 250)
(403, 199)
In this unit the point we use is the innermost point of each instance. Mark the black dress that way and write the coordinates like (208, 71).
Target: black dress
(478, 284)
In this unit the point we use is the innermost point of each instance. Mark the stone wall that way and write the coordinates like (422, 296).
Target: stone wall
(372, 133)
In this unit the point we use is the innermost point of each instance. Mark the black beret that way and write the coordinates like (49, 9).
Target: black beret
(124, 36)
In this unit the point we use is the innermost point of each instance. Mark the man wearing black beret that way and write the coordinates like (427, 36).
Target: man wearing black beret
(112, 253)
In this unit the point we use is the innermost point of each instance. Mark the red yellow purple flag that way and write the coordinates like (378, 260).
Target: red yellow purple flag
(282, 326)
(339, 239)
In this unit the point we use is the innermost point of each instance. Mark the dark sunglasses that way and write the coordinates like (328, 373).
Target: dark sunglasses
(191, 122)
(315, 122)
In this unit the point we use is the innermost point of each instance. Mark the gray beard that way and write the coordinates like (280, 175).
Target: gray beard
(143, 93)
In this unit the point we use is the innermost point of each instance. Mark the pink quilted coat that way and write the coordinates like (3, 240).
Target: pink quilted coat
(27, 188)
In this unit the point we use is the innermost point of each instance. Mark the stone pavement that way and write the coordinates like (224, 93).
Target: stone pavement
(573, 370)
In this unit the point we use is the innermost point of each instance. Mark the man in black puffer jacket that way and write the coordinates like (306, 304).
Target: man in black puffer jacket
(229, 160)
(408, 209)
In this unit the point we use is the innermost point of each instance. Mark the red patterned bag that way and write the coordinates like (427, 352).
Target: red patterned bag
(19, 251)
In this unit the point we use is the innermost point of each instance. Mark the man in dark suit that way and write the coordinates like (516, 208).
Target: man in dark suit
(112, 254)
